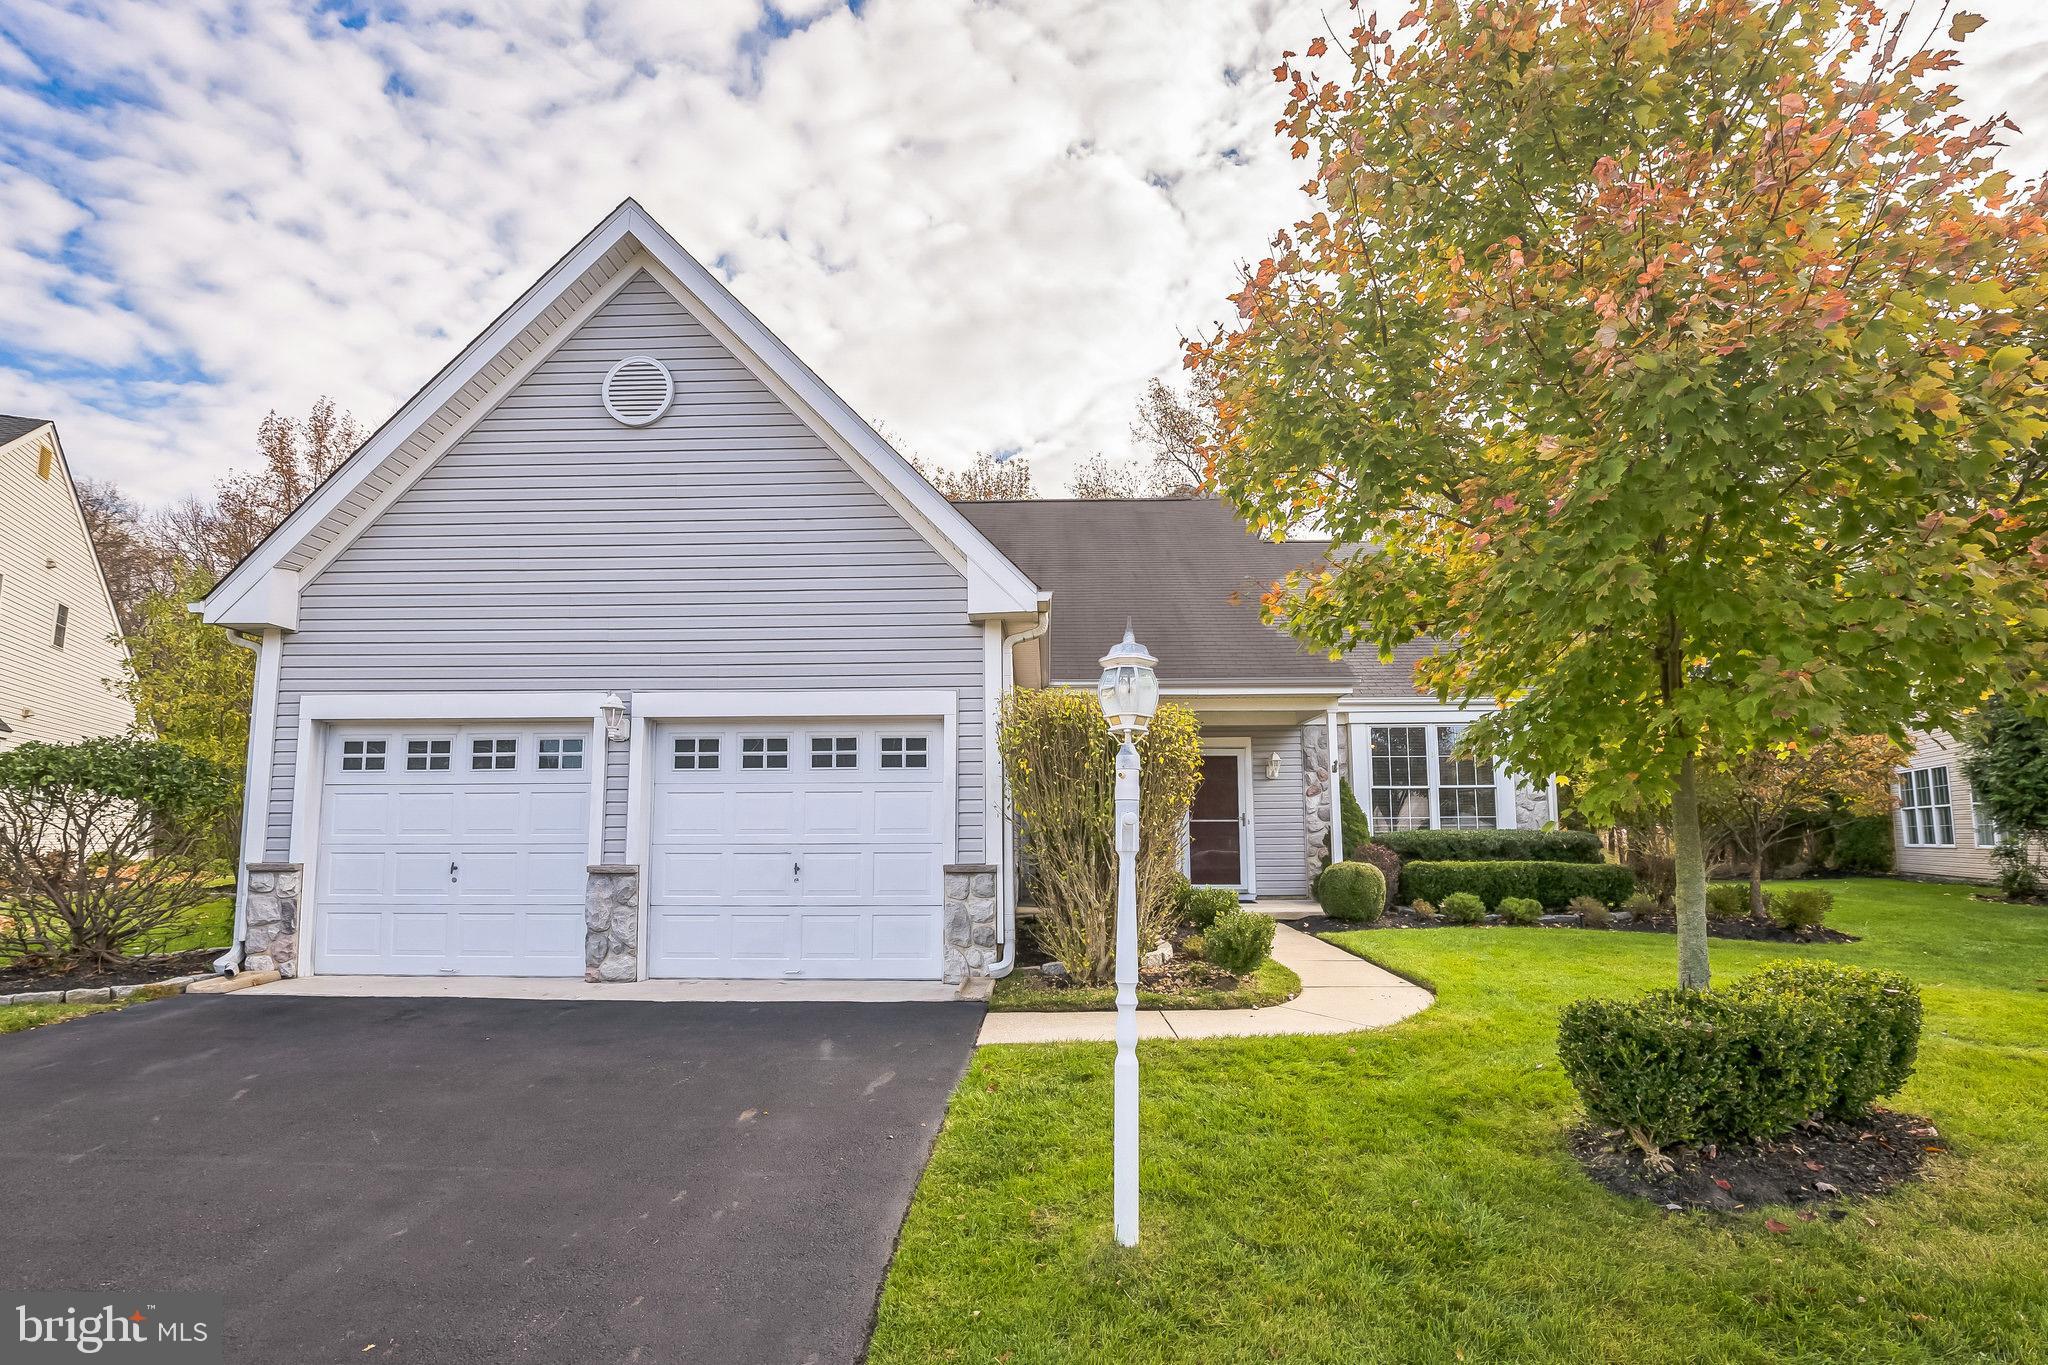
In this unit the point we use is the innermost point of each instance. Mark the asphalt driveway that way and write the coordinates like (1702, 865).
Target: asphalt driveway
(458, 1180)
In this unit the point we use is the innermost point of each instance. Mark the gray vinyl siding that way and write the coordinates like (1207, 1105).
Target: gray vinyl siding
(724, 546)
(1279, 811)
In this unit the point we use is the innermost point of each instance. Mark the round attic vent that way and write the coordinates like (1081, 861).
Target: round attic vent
(637, 390)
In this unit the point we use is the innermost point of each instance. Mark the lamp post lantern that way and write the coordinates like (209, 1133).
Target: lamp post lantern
(1129, 692)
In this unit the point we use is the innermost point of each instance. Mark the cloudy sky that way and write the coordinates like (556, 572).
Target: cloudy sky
(986, 222)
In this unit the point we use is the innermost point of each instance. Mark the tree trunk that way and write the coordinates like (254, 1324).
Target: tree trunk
(1756, 881)
(1691, 893)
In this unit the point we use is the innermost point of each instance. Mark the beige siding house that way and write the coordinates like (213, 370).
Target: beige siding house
(59, 643)
(1937, 829)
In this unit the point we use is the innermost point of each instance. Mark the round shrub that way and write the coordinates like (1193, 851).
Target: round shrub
(1381, 857)
(1462, 907)
(1238, 941)
(1749, 1060)
(1643, 905)
(1352, 891)
(1520, 910)
(1203, 904)
(1727, 900)
(1591, 910)
(1803, 907)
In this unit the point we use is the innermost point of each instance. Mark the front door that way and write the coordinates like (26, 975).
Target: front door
(1217, 822)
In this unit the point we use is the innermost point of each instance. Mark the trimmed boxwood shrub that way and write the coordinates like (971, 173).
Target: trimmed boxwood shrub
(1520, 910)
(1354, 891)
(1551, 884)
(1202, 904)
(1749, 1060)
(1727, 900)
(1238, 941)
(1493, 845)
(1803, 907)
(1462, 907)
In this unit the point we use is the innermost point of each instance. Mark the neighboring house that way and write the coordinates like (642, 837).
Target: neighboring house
(60, 648)
(626, 649)
(1938, 831)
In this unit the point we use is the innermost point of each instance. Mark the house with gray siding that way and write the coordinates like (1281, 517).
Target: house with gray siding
(626, 649)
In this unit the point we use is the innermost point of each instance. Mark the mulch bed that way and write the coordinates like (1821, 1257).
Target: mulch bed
(1753, 930)
(1179, 973)
(1822, 1161)
(139, 972)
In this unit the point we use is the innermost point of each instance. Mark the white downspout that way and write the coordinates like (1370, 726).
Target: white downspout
(255, 795)
(1006, 887)
(1336, 794)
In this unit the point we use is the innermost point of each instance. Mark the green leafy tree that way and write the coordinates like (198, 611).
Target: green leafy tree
(1666, 354)
(189, 682)
(1761, 800)
(2006, 759)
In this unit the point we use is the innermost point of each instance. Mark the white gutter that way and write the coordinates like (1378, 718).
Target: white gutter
(1006, 883)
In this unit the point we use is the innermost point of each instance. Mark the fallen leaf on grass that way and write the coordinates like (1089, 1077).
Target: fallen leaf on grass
(1773, 1225)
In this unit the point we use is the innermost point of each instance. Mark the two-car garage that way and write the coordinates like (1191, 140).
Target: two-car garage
(790, 847)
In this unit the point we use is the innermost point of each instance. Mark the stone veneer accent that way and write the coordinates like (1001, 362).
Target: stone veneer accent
(1532, 806)
(611, 923)
(969, 933)
(270, 926)
(1316, 785)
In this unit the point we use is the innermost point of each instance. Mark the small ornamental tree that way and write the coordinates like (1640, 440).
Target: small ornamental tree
(1761, 799)
(1059, 760)
(103, 846)
(2006, 760)
(1673, 358)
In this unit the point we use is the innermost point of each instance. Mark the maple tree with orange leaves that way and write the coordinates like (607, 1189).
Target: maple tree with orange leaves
(1680, 359)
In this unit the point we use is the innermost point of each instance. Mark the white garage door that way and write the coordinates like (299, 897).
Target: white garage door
(807, 850)
(453, 850)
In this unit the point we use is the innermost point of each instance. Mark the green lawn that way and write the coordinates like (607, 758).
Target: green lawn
(15, 1018)
(1271, 984)
(1406, 1196)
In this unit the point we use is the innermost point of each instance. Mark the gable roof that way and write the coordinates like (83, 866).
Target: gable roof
(1183, 570)
(263, 589)
(12, 428)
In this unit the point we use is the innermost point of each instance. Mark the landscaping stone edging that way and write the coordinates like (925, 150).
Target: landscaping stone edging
(99, 995)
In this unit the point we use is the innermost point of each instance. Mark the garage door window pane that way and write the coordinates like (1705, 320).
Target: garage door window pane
(563, 754)
(493, 755)
(362, 755)
(905, 751)
(426, 755)
(764, 751)
(696, 753)
(835, 751)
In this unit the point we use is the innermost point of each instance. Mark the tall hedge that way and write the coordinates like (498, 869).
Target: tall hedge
(1488, 845)
(1551, 883)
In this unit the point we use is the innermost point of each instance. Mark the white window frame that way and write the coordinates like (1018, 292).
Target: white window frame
(367, 759)
(1430, 723)
(427, 755)
(764, 754)
(835, 752)
(561, 753)
(1981, 823)
(1918, 817)
(908, 747)
(698, 753)
(496, 752)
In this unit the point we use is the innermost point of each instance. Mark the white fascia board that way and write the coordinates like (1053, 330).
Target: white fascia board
(995, 586)
(455, 706)
(423, 405)
(796, 704)
(1421, 710)
(270, 601)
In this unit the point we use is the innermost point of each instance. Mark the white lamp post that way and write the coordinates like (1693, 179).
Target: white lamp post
(1130, 696)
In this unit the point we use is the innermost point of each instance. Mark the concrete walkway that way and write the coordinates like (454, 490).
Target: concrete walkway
(1340, 993)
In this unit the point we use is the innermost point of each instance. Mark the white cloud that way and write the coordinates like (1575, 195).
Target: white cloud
(987, 224)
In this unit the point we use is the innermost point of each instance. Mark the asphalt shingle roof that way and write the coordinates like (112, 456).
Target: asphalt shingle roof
(13, 428)
(1183, 570)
